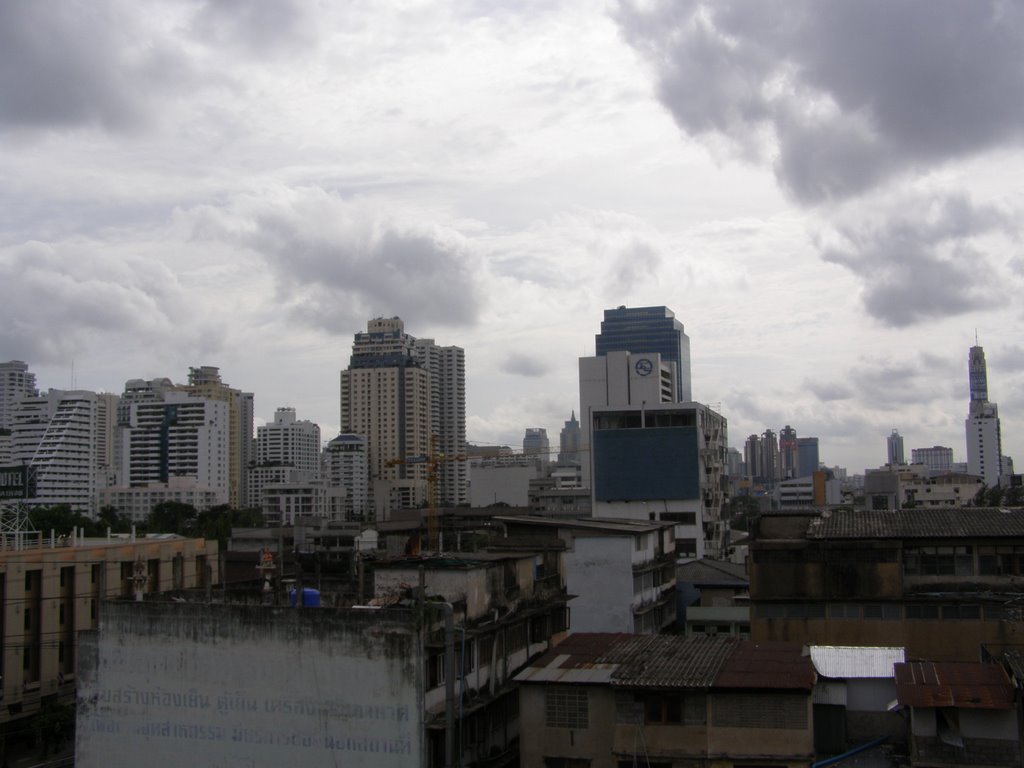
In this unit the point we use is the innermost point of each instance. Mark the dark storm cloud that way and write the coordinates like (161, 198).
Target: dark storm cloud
(848, 94)
(916, 380)
(72, 64)
(340, 262)
(829, 391)
(918, 262)
(519, 364)
(256, 27)
(58, 299)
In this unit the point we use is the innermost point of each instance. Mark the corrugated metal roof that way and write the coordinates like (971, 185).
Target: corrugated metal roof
(767, 665)
(672, 661)
(917, 523)
(953, 684)
(707, 571)
(633, 661)
(849, 662)
(598, 525)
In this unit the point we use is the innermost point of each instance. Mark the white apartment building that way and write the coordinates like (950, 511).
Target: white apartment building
(284, 442)
(447, 368)
(285, 503)
(67, 438)
(16, 383)
(136, 503)
(346, 465)
(180, 436)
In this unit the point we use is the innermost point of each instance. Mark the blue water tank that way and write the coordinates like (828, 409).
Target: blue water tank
(310, 597)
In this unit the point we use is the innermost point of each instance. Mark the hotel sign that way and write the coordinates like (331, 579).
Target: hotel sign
(16, 483)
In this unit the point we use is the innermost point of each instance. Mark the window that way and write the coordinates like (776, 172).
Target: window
(566, 707)
(674, 708)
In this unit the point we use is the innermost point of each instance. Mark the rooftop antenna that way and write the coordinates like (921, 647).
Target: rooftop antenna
(975, 337)
(72, 373)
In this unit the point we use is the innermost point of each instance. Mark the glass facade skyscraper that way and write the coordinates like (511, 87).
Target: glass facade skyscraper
(648, 329)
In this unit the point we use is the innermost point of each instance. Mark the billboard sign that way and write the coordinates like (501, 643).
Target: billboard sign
(16, 482)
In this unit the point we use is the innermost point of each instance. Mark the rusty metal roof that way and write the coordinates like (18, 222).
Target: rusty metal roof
(633, 661)
(917, 523)
(768, 665)
(717, 572)
(953, 684)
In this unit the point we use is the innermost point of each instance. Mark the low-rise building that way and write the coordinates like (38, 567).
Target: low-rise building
(51, 588)
(714, 598)
(608, 700)
(938, 582)
(960, 714)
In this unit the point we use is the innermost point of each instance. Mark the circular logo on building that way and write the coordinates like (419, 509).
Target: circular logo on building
(644, 367)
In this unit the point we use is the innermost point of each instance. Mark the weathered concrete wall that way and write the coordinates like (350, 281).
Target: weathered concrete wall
(232, 686)
(599, 572)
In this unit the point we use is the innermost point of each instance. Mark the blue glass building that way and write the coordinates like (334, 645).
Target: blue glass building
(648, 329)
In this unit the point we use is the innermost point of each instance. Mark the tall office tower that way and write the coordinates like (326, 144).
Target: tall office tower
(346, 465)
(205, 381)
(650, 456)
(181, 436)
(569, 443)
(984, 438)
(753, 458)
(651, 330)
(894, 449)
(385, 396)
(536, 443)
(937, 459)
(770, 458)
(66, 437)
(16, 383)
(808, 459)
(788, 459)
(284, 443)
(447, 368)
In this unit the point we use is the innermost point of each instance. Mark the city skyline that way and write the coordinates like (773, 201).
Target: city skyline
(181, 185)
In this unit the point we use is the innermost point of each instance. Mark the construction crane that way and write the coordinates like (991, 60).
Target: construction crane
(433, 462)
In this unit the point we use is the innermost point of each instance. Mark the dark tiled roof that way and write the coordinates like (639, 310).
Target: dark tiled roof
(712, 572)
(768, 665)
(969, 684)
(673, 661)
(964, 522)
(633, 661)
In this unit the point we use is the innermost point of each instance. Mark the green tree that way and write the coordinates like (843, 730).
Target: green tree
(172, 517)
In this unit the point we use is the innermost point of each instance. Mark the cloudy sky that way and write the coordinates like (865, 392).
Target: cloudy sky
(828, 195)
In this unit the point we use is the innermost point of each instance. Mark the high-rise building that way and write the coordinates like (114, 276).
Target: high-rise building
(16, 383)
(536, 444)
(386, 397)
(286, 442)
(937, 459)
(649, 330)
(984, 438)
(66, 437)
(205, 381)
(447, 369)
(651, 457)
(894, 449)
(808, 460)
(788, 458)
(346, 465)
(181, 436)
(569, 443)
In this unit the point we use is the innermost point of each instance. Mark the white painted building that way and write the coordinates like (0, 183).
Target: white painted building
(284, 442)
(16, 383)
(135, 503)
(346, 465)
(67, 437)
(181, 436)
(447, 368)
(622, 572)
